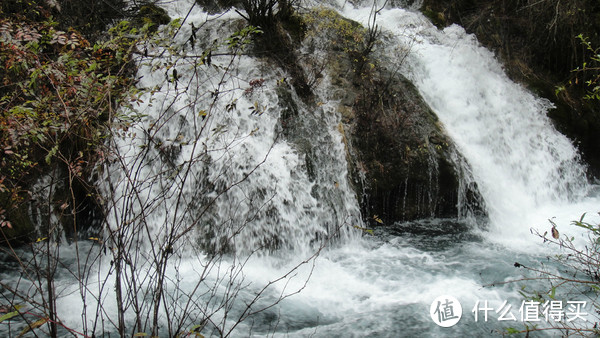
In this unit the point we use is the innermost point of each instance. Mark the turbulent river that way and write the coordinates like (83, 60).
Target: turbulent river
(181, 153)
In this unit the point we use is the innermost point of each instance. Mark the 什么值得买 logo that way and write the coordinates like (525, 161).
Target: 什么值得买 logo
(445, 311)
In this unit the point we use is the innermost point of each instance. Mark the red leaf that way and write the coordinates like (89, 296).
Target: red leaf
(6, 224)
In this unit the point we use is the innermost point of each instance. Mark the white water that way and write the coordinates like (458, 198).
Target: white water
(526, 171)
(377, 285)
(248, 176)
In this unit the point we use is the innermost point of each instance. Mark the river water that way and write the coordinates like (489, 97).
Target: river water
(361, 284)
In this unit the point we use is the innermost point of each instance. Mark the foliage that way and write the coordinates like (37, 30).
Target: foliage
(590, 69)
(574, 273)
(242, 38)
(90, 17)
(57, 97)
(265, 13)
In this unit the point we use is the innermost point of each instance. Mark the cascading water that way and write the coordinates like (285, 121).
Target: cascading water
(211, 160)
(525, 170)
(214, 133)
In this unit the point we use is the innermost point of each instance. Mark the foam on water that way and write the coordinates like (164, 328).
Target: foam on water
(375, 285)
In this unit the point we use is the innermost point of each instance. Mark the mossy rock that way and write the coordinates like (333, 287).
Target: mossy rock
(151, 14)
(344, 35)
(397, 150)
(404, 154)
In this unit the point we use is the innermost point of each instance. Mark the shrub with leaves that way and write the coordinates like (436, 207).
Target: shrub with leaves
(265, 13)
(573, 274)
(590, 69)
(57, 93)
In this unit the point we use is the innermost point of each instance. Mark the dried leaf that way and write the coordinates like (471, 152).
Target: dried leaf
(555, 233)
(33, 326)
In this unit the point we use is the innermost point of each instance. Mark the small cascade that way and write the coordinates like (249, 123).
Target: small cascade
(520, 164)
(226, 152)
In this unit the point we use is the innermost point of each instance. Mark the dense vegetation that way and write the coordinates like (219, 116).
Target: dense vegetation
(62, 78)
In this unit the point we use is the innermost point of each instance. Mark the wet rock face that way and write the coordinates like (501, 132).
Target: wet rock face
(402, 153)
(399, 155)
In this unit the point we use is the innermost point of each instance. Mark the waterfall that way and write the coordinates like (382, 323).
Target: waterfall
(230, 157)
(227, 152)
(525, 170)
(225, 186)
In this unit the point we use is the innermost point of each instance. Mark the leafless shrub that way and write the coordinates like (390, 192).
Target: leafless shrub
(165, 178)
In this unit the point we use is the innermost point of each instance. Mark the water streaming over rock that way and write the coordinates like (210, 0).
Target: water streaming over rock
(228, 152)
(520, 163)
(212, 160)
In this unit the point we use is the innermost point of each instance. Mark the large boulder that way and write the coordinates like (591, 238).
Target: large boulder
(401, 155)
(401, 160)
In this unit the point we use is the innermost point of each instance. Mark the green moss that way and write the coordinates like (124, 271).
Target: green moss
(152, 15)
(437, 18)
(346, 42)
(343, 34)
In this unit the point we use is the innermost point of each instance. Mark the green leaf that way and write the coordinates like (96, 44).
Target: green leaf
(51, 154)
(11, 314)
(512, 330)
